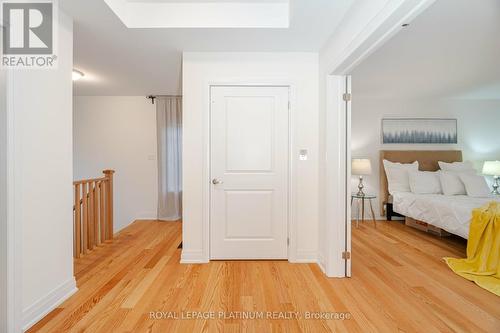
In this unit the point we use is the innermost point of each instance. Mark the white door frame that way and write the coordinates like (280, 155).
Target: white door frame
(290, 180)
(375, 33)
(293, 149)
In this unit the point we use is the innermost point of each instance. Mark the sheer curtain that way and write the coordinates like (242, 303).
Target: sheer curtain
(169, 132)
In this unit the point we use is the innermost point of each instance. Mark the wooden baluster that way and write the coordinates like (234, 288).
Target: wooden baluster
(96, 216)
(102, 221)
(109, 206)
(91, 216)
(98, 204)
(78, 224)
(85, 218)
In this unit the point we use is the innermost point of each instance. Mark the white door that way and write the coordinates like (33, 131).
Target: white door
(347, 110)
(249, 172)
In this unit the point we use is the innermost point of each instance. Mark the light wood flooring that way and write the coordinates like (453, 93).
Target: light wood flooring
(399, 284)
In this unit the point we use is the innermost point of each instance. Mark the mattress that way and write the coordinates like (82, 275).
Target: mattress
(451, 213)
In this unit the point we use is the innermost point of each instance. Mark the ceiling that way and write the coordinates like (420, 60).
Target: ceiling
(452, 50)
(121, 61)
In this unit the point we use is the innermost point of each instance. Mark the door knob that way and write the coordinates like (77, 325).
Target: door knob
(216, 181)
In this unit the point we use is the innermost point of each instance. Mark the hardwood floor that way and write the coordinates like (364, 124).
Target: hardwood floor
(399, 284)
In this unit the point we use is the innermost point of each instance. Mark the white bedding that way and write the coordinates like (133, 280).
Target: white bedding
(451, 213)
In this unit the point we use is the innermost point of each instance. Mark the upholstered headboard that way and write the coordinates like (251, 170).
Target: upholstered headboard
(427, 161)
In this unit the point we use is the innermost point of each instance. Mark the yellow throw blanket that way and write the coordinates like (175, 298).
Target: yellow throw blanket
(482, 264)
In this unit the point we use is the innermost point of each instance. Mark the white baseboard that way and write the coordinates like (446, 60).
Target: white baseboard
(329, 272)
(49, 302)
(147, 216)
(306, 256)
(193, 257)
(321, 263)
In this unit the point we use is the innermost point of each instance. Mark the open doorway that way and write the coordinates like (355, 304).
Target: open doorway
(422, 112)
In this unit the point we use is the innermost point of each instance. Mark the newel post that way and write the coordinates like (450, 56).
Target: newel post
(109, 196)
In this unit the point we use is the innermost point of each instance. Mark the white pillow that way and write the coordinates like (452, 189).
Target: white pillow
(397, 175)
(456, 166)
(451, 184)
(425, 182)
(475, 185)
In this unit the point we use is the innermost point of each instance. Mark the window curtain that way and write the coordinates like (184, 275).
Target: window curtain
(169, 133)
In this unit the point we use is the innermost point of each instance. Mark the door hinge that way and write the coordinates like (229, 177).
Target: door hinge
(346, 255)
(288, 241)
(347, 97)
(289, 105)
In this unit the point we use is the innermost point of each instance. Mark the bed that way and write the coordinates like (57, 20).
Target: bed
(449, 213)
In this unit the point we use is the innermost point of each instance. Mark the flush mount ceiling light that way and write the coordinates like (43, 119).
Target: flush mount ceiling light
(202, 13)
(77, 75)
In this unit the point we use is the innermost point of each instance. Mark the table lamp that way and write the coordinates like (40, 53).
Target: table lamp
(492, 168)
(361, 167)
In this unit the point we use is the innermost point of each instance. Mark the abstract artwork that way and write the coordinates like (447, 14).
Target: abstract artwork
(419, 130)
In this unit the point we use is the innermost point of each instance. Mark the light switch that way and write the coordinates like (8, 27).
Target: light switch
(303, 155)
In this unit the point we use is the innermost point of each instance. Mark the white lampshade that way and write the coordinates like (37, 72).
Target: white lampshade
(491, 168)
(361, 166)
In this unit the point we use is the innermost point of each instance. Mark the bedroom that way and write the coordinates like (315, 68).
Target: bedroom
(424, 81)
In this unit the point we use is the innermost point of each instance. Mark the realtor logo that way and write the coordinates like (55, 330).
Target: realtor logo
(28, 34)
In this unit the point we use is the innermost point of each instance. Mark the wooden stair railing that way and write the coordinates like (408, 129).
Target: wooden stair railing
(92, 213)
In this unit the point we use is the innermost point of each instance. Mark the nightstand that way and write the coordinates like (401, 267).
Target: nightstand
(360, 207)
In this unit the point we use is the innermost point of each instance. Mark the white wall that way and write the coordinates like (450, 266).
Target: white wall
(202, 69)
(478, 128)
(119, 133)
(41, 102)
(3, 201)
